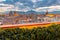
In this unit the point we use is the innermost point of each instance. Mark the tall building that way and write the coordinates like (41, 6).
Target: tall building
(15, 13)
(10, 13)
(46, 12)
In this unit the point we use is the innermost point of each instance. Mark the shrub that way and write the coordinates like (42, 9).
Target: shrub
(46, 33)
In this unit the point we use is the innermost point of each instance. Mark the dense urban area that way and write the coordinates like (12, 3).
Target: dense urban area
(17, 18)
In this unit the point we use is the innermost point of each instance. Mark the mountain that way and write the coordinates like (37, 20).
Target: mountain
(31, 11)
(34, 12)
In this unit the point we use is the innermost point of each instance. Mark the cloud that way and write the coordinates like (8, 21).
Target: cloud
(50, 8)
(26, 5)
(2, 0)
(58, 1)
(33, 3)
(19, 9)
(36, 0)
(7, 7)
(18, 3)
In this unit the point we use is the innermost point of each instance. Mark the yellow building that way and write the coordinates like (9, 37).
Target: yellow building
(16, 14)
(51, 15)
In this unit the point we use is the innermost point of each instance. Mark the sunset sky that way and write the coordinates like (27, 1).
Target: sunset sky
(27, 5)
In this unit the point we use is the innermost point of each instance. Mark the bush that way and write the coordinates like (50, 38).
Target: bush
(46, 33)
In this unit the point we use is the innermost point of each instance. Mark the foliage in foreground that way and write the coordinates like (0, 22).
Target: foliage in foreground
(49, 33)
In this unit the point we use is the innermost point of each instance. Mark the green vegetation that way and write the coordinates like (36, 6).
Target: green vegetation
(46, 33)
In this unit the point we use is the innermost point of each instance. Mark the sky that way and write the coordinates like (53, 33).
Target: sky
(27, 5)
